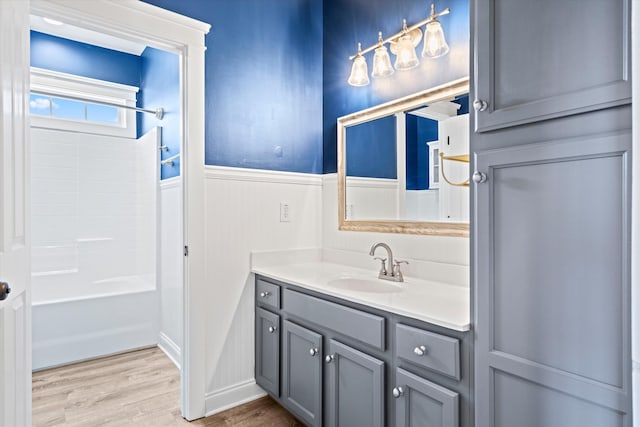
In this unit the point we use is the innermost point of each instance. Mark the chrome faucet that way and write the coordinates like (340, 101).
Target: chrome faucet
(395, 274)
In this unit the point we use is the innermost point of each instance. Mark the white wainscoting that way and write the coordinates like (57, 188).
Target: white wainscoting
(372, 198)
(243, 214)
(437, 249)
(170, 268)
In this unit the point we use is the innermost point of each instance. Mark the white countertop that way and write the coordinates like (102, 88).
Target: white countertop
(441, 304)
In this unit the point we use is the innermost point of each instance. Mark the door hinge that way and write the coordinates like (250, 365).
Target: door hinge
(186, 251)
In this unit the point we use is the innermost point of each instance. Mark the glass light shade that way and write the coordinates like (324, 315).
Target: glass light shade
(381, 63)
(406, 58)
(435, 44)
(359, 72)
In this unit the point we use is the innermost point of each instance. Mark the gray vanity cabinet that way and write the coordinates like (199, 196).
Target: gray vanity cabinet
(268, 351)
(339, 362)
(302, 372)
(537, 60)
(355, 387)
(420, 402)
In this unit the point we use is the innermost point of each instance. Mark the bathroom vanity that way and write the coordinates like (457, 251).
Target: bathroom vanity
(337, 346)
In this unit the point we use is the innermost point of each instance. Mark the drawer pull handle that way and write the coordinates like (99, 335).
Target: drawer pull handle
(420, 350)
(313, 351)
(265, 294)
(272, 329)
(329, 358)
(398, 392)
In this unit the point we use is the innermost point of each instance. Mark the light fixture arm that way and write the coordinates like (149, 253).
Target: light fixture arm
(400, 33)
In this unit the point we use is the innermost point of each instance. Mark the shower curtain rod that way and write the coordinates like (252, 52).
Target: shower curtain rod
(158, 112)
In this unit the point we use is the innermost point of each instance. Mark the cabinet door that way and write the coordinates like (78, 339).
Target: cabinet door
(355, 393)
(552, 286)
(537, 60)
(422, 403)
(302, 376)
(268, 351)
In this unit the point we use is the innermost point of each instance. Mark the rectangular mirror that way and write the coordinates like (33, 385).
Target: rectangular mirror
(403, 166)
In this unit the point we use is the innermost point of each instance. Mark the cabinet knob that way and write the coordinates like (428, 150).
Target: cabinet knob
(265, 294)
(480, 105)
(479, 177)
(397, 392)
(5, 290)
(313, 351)
(272, 329)
(420, 350)
(328, 358)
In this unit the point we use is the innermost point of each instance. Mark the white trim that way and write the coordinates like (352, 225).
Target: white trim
(635, 210)
(232, 396)
(169, 348)
(96, 89)
(361, 182)
(261, 175)
(162, 29)
(168, 183)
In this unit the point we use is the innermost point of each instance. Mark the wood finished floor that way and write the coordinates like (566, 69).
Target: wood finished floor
(140, 388)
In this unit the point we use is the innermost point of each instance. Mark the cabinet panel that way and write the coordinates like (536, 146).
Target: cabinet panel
(356, 324)
(423, 403)
(545, 59)
(553, 285)
(268, 351)
(302, 372)
(356, 388)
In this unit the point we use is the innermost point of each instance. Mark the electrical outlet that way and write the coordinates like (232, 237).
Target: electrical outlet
(285, 212)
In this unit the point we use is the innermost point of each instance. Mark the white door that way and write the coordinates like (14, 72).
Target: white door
(15, 307)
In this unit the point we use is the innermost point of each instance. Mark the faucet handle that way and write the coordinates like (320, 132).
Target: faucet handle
(396, 267)
(383, 261)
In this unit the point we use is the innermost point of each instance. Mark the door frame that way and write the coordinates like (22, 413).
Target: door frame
(162, 29)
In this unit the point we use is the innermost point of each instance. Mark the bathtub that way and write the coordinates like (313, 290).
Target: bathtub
(74, 320)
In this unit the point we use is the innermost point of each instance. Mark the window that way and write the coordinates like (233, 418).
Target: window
(64, 101)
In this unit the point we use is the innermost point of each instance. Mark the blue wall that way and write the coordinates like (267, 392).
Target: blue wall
(263, 85)
(160, 87)
(371, 151)
(347, 22)
(66, 56)
(419, 132)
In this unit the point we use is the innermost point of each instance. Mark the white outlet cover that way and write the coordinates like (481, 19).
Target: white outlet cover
(285, 212)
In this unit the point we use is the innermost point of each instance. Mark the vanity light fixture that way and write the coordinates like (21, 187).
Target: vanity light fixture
(381, 61)
(359, 72)
(402, 44)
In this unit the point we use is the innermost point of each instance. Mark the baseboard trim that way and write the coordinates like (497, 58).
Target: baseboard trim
(170, 348)
(232, 396)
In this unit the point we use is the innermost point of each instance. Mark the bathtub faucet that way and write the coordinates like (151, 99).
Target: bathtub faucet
(395, 274)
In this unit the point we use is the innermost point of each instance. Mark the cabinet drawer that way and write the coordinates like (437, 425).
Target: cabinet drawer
(428, 350)
(356, 324)
(267, 294)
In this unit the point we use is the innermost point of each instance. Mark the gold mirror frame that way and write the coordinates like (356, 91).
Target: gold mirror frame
(438, 93)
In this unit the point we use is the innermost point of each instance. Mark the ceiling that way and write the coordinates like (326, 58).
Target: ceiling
(83, 35)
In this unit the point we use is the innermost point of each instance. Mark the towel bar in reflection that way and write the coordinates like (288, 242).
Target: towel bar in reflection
(463, 158)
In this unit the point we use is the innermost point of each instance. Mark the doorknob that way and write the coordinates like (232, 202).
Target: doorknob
(4, 290)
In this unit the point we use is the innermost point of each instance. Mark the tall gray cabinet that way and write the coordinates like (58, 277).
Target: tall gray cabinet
(551, 146)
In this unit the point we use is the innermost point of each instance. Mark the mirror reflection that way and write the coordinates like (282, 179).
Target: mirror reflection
(410, 165)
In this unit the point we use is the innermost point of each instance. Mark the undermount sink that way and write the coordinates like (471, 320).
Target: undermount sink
(358, 284)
